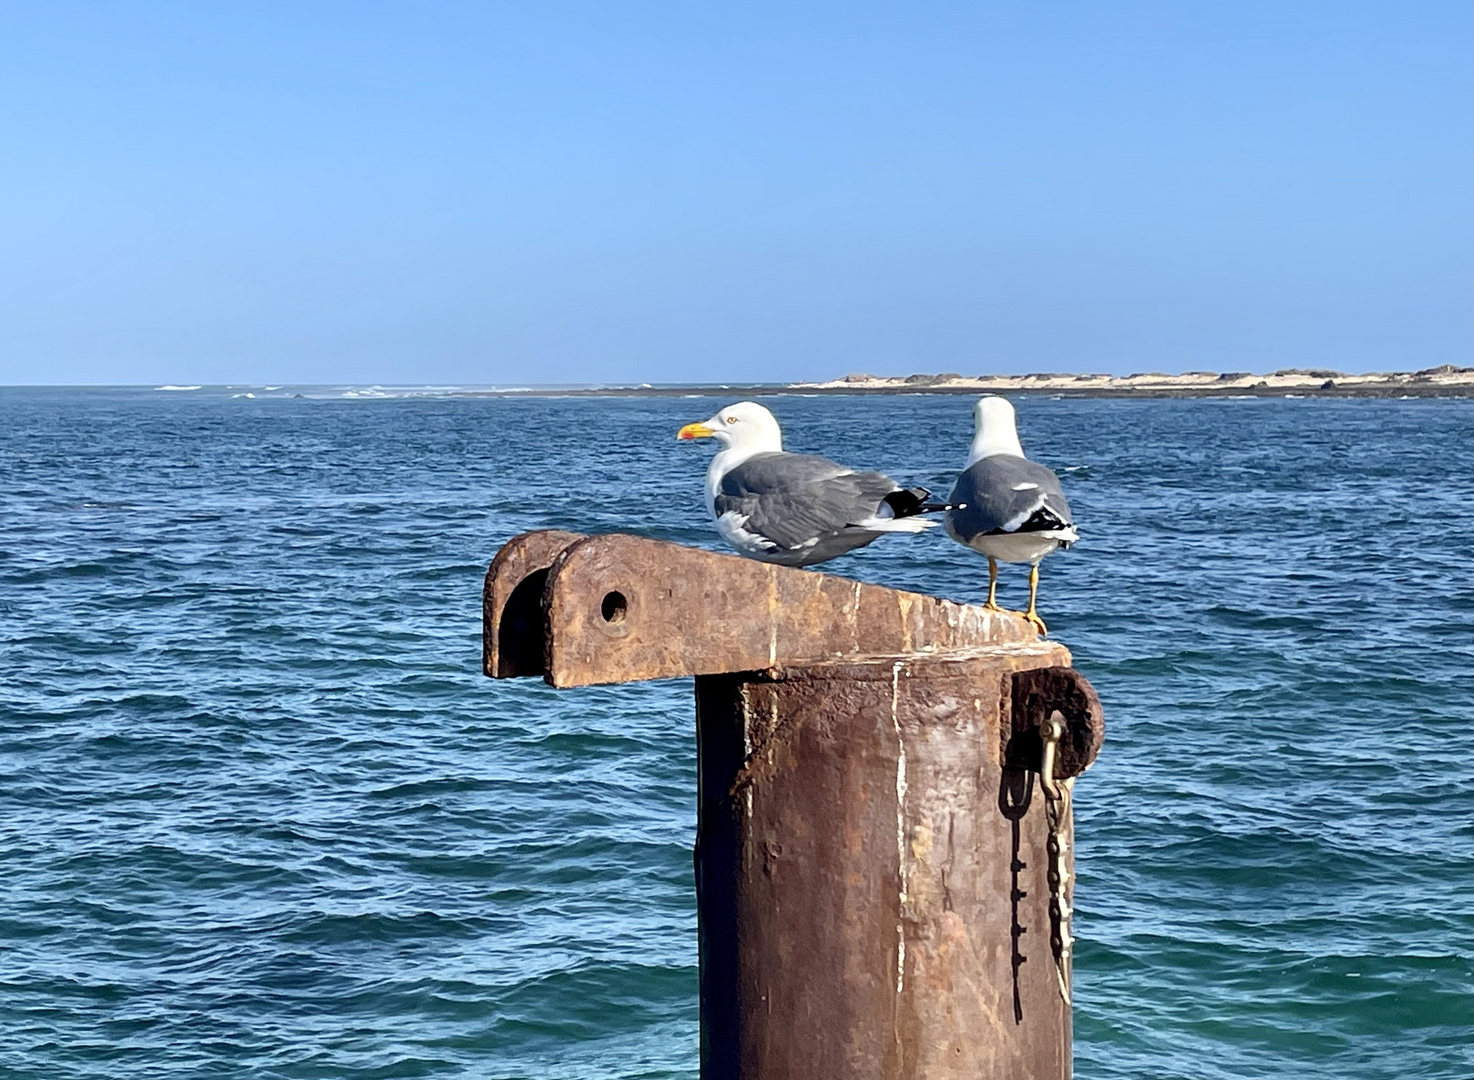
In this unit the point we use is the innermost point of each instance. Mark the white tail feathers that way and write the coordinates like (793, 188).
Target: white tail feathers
(899, 525)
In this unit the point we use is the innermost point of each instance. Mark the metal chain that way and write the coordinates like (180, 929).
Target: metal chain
(1057, 817)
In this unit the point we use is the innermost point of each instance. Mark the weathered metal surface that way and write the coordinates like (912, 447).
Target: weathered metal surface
(621, 608)
(512, 632)
(1035, 695)
(870, 861)
(870, 872)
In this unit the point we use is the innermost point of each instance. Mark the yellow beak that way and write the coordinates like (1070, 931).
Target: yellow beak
(695, 431)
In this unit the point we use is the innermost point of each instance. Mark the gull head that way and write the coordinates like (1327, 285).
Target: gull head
(746, 427)
(994, 429)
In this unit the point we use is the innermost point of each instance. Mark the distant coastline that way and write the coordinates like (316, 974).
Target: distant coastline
(1444, 381)
(1447, 381)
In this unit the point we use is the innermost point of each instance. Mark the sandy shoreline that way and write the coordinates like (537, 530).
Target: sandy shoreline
(1445, 381)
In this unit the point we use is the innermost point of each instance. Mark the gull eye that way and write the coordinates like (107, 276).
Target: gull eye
(731, 420)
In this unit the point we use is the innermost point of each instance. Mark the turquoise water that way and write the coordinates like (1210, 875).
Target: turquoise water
(260, 816)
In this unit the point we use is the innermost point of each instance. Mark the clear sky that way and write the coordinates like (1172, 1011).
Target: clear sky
(431, 191)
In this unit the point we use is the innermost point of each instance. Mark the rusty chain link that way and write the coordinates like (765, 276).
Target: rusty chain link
(1057, 817)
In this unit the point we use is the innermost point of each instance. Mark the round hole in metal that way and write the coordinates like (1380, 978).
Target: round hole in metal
(614, 607)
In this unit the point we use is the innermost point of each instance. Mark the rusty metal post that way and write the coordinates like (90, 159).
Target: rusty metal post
(870, 856)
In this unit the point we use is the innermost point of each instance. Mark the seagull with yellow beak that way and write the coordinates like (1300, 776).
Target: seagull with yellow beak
(795, 509)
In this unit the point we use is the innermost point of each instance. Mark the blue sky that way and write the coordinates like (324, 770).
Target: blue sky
(447, 192)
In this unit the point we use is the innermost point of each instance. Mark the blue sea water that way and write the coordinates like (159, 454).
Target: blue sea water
(260, 815)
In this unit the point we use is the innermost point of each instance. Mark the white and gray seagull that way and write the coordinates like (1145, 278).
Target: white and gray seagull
(795, 509)
(1005, 506)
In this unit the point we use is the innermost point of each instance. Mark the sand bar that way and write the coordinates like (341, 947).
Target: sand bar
(1445, 381)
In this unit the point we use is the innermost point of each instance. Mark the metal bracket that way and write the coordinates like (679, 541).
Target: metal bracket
(619, 608)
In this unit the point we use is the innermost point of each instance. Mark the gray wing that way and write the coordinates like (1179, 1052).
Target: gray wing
(791, 498)
(1004, 494)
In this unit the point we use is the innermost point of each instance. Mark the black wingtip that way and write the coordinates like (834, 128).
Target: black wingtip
(908, 502)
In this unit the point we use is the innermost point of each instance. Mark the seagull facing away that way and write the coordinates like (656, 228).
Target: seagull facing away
(795, 509)
(1005, 506)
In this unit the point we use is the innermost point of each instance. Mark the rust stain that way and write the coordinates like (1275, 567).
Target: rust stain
(873, 869)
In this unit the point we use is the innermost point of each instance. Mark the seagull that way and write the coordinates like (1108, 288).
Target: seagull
(1005, 506)
(795, 509)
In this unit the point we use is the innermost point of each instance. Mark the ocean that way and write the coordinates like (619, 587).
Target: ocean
(261, 816)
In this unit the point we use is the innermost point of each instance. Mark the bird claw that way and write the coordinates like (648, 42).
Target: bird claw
(1027, 616)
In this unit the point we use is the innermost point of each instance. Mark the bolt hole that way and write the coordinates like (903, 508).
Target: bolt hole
(614, 607)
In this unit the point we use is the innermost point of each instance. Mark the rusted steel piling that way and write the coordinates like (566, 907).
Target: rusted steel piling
(871, 837)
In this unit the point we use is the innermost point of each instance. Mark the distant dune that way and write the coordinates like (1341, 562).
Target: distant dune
(1447, 380)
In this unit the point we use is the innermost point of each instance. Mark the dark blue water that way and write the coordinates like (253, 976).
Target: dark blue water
(260, 816)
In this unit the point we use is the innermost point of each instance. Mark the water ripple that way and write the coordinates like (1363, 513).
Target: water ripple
(260, 815)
